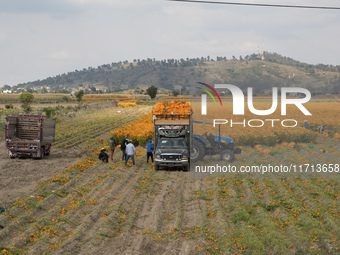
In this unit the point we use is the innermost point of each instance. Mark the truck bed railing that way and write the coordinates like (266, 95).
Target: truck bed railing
(171, 132)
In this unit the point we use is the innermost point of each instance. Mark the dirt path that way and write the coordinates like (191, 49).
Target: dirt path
(18, 176)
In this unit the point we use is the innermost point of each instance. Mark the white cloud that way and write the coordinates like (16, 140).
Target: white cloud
(42, 38)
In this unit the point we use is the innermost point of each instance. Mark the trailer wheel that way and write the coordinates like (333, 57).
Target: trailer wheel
(227, 155)
(197, 152)
(48, 153)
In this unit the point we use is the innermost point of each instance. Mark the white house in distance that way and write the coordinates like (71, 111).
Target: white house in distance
(7, 91)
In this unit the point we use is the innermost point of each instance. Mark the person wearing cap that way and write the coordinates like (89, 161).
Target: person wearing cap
(103, 156)
(112, 146)
(130, 152)
(305, 123)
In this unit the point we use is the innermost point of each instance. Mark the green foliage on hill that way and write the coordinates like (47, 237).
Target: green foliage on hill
(250, 71)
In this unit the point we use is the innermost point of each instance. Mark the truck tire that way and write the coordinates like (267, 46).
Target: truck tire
(197, 152)
(42, 153)
(227, 155)
(186, 168)
(156, 167)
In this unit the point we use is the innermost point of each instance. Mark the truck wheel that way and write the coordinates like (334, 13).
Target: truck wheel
(48, 153)
(156, 167)
(227, 155)
(197, 152)
(186, 168)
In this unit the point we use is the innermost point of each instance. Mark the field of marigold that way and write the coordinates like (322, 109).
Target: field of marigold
(95, 208)
(272, 131)
(127, 104)
(139, 131)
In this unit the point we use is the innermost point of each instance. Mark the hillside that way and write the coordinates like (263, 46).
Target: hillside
(250, 71)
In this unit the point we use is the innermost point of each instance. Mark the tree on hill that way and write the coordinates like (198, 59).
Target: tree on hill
(6, 87)
(152, 91)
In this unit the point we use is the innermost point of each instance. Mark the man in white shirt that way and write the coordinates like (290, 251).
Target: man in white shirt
(130, 152)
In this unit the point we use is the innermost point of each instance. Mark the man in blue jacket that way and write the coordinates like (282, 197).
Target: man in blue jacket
(149, 149)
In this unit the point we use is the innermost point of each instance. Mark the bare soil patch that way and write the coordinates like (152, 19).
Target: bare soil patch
(18, 176)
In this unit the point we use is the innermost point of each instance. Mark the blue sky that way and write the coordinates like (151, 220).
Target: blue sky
(42, 38)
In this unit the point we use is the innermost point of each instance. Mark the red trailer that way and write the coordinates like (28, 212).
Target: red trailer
(29, 135)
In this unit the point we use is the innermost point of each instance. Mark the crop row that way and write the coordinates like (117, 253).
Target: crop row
(80, 129)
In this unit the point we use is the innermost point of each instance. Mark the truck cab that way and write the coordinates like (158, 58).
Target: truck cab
(172, 141)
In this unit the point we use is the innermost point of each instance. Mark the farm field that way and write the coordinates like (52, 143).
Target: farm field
(88, 207)
(42, 105)
(271, 132)
(38, 98)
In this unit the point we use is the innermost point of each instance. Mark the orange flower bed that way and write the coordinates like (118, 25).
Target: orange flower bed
(107, 98)
(128, 104)
(325, 134)
(291, 145)
(140, 130)
(268, 134)
(337, 137)
(267, 151)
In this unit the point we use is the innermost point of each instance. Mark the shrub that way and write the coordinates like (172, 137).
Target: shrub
(9, 106)
(27, 108)
(65, 99)
(26, 98)
(50, 111)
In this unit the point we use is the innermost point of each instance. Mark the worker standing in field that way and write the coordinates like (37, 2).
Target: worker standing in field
(149, 149)
(112, 146)
(123, 146)
(130, 152)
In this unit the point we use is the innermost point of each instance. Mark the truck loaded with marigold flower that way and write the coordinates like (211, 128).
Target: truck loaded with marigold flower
(175, 146)
(172, 135)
